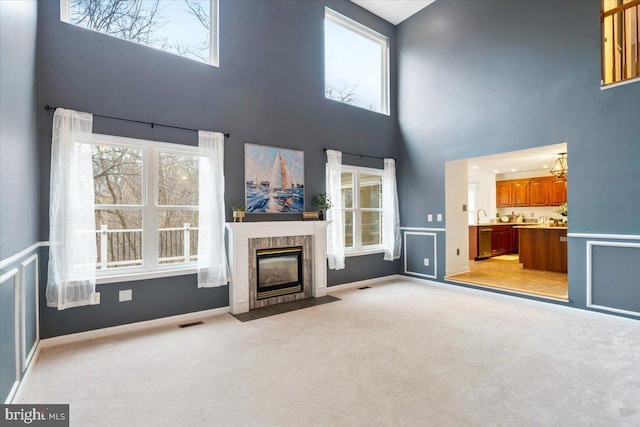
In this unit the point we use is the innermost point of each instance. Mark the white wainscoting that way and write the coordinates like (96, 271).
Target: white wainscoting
(28, 355)
(10, 278)
(435, 252)
(589, 264)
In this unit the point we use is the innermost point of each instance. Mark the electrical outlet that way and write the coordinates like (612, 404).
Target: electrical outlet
(439, 217)
(533, 214)
(458, 251)
(125, 295)
(95, 298)
(426, 262)
(429, 218)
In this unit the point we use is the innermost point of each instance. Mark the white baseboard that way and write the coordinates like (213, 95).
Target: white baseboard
(458, 270)
(137, 326)
(12, 392)
(361, 283)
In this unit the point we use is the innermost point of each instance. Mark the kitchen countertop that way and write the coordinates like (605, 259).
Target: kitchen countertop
(543, 227)
(515, 224)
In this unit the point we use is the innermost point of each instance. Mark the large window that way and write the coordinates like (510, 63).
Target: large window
(362, 209)
(620, 41)
(356, 64)
(185, 27)
(146, 196)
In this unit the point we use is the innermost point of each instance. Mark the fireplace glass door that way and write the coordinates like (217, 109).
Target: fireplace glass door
(279, 272)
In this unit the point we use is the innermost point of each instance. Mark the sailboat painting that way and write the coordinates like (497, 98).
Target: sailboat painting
(274, 179)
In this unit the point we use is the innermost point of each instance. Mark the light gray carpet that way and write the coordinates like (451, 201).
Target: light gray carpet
(401, 354)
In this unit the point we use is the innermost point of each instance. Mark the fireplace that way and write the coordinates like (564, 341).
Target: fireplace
(279, 272)
(247, 238)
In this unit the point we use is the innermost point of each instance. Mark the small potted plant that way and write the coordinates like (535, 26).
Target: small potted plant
(323, 203)
(564, 211)
(238, 212)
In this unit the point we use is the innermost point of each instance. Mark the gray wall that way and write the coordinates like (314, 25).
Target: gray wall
(18, 130)
(18, 178)
(483, 77)
(269, 89)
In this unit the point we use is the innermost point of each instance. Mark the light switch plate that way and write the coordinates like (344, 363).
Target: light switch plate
(95, 298)
(125, 295)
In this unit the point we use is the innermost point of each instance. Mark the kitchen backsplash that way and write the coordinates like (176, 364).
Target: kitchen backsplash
(531, 214)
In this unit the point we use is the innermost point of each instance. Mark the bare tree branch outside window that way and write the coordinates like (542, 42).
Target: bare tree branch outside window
(177, 26)
(347, 94)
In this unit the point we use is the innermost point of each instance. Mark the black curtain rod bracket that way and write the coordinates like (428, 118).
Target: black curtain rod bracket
(50, 108)
(360, 155)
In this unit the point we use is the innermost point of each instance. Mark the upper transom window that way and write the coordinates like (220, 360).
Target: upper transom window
(620, 41)
(356, 64)
(187, 28)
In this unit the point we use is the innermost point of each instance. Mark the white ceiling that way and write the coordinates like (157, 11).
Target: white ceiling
(394, 11)
(531, 160)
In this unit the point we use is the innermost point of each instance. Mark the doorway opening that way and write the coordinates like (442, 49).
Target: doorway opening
(506, 222)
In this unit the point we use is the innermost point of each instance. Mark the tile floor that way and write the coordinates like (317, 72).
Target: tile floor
(509, 274)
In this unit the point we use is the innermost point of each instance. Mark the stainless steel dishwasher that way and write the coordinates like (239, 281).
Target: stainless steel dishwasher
(484, 243)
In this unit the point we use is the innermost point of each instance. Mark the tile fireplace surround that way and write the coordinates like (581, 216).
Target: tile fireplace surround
(240, 233)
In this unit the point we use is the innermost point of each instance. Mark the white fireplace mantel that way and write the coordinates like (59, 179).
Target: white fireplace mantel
(239, 234)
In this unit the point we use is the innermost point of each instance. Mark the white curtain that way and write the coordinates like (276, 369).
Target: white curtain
(213, 269)
(335, 242)
(72, 228)
(390, 212)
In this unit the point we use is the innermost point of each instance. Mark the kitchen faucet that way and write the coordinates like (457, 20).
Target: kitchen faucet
(478, 215)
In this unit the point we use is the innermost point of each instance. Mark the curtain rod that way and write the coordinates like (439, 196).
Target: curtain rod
(360, 155)
(49, 108)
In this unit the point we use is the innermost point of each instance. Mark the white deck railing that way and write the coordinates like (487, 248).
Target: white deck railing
(123, 247)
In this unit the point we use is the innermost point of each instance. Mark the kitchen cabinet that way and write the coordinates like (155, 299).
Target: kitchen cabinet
(543, 248)
(544, 191)
(503, 194)
(558, 191)
(539, 191)
(504, 240)
(521, 192)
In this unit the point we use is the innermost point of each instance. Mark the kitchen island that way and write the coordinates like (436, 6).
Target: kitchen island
(543, 248)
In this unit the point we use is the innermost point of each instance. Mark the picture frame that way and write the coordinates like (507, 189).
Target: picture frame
(274, 179)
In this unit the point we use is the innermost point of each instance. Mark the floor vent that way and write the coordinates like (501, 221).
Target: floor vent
(186, 325)
(365, 287)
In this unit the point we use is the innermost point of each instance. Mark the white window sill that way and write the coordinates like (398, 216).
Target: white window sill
(348, 254)
(119, 277)
(622, 83)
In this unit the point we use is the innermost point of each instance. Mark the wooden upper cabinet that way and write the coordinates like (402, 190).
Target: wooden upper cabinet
(539, 191)
(558, 191)
(521, 192)
(503, 194)
(544, 191)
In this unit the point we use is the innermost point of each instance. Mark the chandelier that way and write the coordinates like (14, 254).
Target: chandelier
(559, 168)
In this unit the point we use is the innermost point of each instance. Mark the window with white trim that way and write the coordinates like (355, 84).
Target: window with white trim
(356, 63)
(620, 26)
(187, 28)
(362, 209)
(146, 203)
